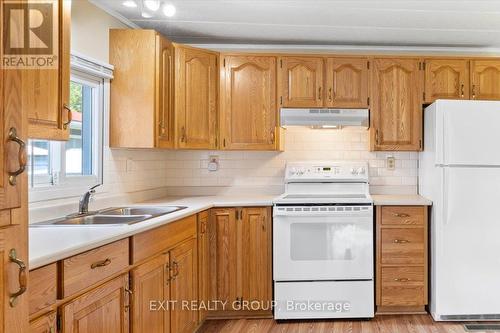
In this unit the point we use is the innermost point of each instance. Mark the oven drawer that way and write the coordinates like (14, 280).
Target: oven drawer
(403, 215)
(326, 299)
(402, 246)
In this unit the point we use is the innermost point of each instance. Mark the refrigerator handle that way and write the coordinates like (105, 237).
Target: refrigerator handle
(445, 196)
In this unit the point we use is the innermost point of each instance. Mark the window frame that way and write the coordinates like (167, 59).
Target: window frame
(74, 185)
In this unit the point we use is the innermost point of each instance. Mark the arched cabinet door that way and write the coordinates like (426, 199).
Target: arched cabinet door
(301, 81)
(485, 83)
(347, 82)
(248, 109)
(396, 111)
(446, 79)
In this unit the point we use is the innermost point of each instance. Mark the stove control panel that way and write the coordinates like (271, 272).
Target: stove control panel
(326, 171)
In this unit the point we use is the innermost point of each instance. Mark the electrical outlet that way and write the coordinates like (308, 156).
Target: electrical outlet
(391, 163)
(213, 163)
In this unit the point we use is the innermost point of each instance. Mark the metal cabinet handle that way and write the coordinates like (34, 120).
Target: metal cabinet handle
(272, 137)
(376, 137)
(22, 157)
(462, 87)
(401, 215)
(174, 270)
(22, 278)
(128, 291)
(473, 91)
(400, 241)
(101, 263)
(70, 116)
(183, 134)
(330, 95)
(319, 93)
(401, 279)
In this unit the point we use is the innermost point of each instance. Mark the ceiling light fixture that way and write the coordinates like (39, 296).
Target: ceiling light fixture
(152, 5)
(169, 10)
(129, 3)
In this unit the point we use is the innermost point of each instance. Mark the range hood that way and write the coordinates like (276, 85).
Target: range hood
(324, 118)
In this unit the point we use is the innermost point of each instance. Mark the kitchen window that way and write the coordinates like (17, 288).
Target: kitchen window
(59, 169)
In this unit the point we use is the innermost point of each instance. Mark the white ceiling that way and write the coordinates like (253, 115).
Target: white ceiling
(426, 24)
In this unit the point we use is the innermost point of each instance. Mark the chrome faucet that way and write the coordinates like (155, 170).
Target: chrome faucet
(83, 206)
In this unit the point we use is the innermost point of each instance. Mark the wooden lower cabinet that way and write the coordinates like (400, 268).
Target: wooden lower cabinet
(150, 286)
(44, 324)
(101, 310)
(203, 264)
(401, 259)
(243, 261)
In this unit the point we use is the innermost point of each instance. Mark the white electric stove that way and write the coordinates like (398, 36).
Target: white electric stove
(323, 242)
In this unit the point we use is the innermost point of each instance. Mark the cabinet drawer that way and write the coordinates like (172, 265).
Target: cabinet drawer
(402, 276)
(83, 270)
(149, 243)
(403, 215)
(402, 296)
(402, 246)
(43, 287)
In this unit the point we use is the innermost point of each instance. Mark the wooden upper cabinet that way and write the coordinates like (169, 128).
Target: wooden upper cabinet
(485, 79)
(196, 98)
(150, 282)
(141, 90)
(446, 79)
(396, 111)
(347, 82)
(248, 103)
(104, 309)
(47, 102)
(300, 81)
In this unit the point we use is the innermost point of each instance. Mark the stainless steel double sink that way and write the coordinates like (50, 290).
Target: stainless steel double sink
(112, 216)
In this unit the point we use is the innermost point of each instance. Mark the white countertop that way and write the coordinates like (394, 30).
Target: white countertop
(53, 243)
(400, 200)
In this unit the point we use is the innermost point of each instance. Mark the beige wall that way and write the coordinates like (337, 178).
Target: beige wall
(90, 29)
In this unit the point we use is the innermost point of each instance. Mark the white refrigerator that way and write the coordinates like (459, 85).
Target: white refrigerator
(459, 171)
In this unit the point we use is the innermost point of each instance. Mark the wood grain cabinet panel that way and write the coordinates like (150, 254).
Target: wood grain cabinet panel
(150, 283)
(42, 288)
(44, 324)
(446, 79)
(203, 262)
(401, 259)
(396, 111)
(84, 270)
(101, 310)
(485, 79)
(196, 98)
(164, 79)
(248, 109)
(300, 81)
(47, 104)
(347, 82)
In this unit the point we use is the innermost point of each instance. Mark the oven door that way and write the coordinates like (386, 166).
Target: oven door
(314, 243)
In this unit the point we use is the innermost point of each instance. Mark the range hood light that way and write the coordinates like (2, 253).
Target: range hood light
(324, 118)
(326, 127)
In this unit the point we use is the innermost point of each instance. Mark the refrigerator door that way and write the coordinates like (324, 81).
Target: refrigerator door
(469, 132)
(466, 241)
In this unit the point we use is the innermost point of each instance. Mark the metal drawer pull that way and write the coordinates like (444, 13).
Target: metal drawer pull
(21, 155)
(70, 116)
(400, 241)
(175, 270)
(23, 278)
(128, 291)
(400, 215)
(101, 263)
(401, 279)
(462, 90)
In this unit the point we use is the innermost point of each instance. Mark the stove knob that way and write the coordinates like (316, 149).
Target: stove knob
(354, 171)
(361, 171)
(293, 171)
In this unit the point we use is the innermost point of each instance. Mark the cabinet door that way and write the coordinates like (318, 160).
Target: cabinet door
(44, 324)
(196, 94)
(485, 82)
(47, 103)
(203, 263)
(226, 255)
(446, 79)
(150, 282)
(102, 310)
(396, 111)
(256, 256)
(164, 93)
(184, 286)
(347, 82)
(248, 103)
(301, 81)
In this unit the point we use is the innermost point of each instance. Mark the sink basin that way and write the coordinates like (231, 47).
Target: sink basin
(113, 216)
(153, 211)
